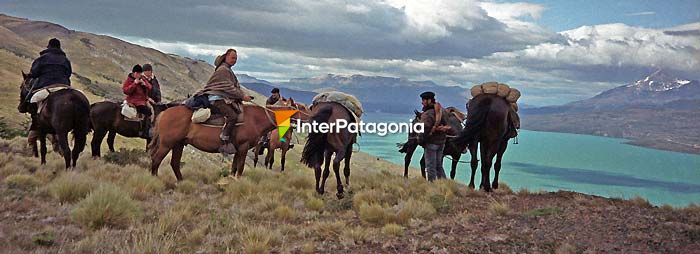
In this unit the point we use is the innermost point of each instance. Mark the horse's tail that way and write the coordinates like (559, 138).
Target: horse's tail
(475, 122)
(316, 142)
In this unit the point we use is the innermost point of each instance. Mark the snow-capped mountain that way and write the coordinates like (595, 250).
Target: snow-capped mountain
(654, 90)
(659, 81)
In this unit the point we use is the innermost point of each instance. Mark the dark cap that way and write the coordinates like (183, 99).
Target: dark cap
(427, 95)
(147, 67)
(54, 43)
(275, 90)
(137, 68)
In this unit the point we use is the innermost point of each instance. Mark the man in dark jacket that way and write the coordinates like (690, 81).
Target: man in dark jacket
(136, 89)
(274, 97)
(155, 85)
(434, 137)
(52, 67)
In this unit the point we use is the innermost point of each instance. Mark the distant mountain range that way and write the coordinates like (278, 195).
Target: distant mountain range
(660, 111)
(377, 94)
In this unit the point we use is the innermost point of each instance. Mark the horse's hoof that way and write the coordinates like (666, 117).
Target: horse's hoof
(495, 186)
(340, 195)
(471, 186)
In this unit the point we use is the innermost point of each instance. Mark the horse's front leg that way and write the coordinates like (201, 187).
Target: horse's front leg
(239, 159)
(63, 143)
(474, 163)
(453, 170)
(42, 148)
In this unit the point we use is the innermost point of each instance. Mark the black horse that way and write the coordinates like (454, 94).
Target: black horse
(62, 112)
(454, 120)
(320, 147)
(106, 120)
(488, 124)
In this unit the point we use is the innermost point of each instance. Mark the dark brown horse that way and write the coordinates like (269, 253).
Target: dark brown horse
(454, 120)
(64, 111)
(320, 147)
(174, 129)
(487, 124)
(274, 139)
(106, 120)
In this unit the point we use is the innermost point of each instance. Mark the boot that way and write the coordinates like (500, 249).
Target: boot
(145, 129)
(227, 146)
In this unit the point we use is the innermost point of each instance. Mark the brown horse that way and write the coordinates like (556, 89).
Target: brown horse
(487, 124)
(454, 120)
(274, 141)
(174, 129)
(320, 147)
(64, 111)
(106, 120)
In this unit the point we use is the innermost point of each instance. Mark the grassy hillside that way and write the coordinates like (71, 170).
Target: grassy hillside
(111, 206)
(100, 64)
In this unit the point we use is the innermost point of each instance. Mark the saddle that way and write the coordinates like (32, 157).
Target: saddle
(206, 117)
(130, 114)
(39, 97)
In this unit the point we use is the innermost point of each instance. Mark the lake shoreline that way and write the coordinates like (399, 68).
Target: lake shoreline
(646, 143)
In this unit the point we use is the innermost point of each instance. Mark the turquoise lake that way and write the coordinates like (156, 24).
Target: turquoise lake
(559, 161)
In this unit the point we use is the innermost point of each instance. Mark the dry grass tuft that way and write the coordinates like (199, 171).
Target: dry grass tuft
(498, 209)
(259, 239)
(22, 182)
(186, 187)
(108, 206)
(284, 212)
(142, 185)
(413, 209)
(641, 202)
(314, 204)
(393, 230)
(565, 248)
(71, 187)
(352, 236)
(374, 214)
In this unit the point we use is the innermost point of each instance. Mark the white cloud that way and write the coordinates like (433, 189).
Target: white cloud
(642, 13)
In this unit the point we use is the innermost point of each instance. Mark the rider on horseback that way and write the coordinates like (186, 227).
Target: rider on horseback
(137, 88)
(51, 68)
(226, 95)
(155, 95)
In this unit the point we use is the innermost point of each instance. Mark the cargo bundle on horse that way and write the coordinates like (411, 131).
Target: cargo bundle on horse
(329, 107)
(490, 122)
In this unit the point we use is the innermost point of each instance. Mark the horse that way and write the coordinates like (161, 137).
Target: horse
(106, 120)
(63, 111)
(174, 129)
(274, 142)
(455, 118)
(320, 147)
(488, 124)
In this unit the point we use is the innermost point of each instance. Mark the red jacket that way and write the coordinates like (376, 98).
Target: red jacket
(136, 94)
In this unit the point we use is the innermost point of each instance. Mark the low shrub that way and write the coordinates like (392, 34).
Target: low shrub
(108, 206)
(22, 182)
(71, 187)
(392, 229)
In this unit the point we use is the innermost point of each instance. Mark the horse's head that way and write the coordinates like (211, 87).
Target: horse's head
(24, 89)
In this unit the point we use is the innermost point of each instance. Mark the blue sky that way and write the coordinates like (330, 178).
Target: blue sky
(564, 15)
(553, 51)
